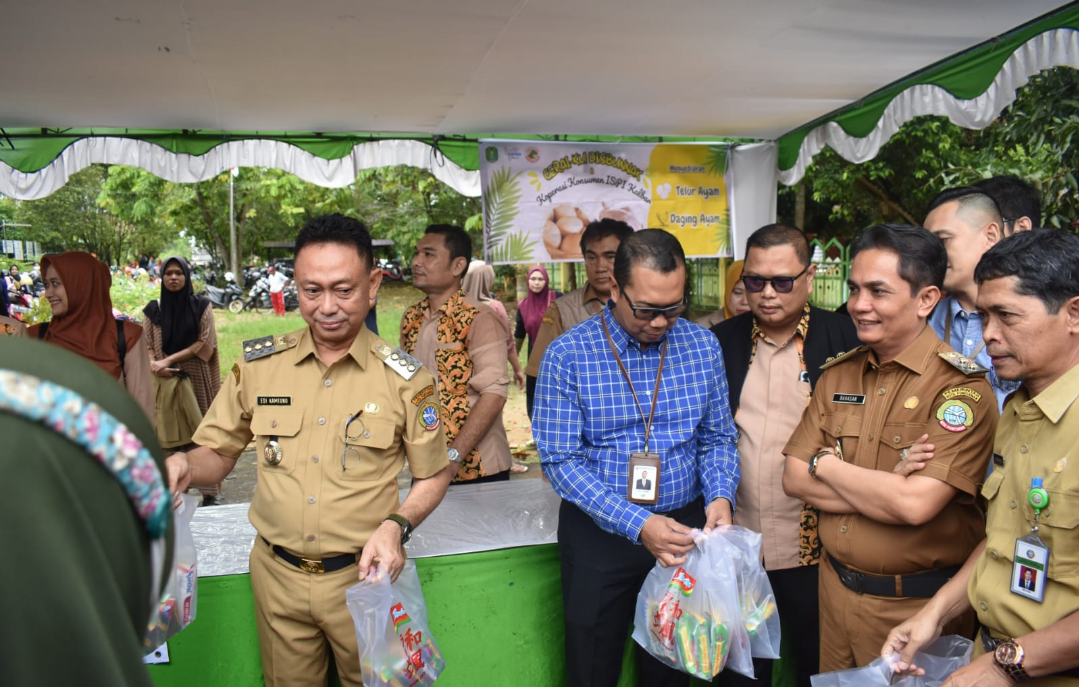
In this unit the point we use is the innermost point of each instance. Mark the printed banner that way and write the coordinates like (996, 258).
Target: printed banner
(538, 197)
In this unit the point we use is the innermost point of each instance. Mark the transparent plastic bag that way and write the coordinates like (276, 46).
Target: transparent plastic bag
(939, 660)
(395, 642)
(690, 616)
(759, 613)
(179, 600)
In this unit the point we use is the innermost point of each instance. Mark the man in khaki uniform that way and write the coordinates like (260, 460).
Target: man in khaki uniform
(599, 243)
(890, 542)
(1029, 294)
(334, 412)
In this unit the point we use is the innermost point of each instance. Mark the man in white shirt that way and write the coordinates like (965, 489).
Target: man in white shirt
(277, 290)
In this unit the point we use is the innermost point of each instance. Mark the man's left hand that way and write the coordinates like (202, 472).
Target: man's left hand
(982, 671)
(717, 513)
(383, 550)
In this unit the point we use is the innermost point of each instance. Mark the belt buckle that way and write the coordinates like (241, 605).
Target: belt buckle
(853, 581)
(310, 566)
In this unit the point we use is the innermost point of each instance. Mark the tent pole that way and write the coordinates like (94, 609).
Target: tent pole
(234, 259)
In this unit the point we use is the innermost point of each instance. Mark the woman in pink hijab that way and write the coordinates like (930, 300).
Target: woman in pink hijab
(530, 316)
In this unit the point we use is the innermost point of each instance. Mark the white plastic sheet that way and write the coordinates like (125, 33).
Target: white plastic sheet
(482, 517)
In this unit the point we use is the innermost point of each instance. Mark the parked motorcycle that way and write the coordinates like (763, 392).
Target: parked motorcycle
(231, 297)
(391, 268)
(258, 298)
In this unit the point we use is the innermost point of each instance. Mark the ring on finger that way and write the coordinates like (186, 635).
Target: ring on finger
(904, 454)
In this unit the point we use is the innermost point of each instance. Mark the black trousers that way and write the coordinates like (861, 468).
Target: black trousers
(796, 599)
(601, 576)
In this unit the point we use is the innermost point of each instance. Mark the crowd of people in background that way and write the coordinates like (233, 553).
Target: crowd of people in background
(868, 446)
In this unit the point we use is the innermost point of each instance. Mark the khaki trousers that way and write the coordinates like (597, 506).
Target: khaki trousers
(853, 626)
(301, 617)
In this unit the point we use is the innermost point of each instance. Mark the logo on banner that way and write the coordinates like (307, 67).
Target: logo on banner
(492, 154)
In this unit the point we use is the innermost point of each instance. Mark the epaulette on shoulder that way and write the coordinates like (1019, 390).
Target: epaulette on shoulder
(267, 345)
(962, 363)
(841, 357)
(397, 360)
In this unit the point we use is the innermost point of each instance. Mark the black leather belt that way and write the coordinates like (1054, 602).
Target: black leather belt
(917, 586)
(311, 565)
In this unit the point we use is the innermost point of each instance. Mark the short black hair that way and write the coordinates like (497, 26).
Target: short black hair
(772, 235)
(601, 229)
(969, 199)
(1015, 198)
(922, 259)
(1045, 261)
(654, 249)
(336, 228)
(456, 239)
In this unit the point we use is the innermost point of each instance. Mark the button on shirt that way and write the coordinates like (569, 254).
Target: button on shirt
(875, 410)
(311, 507)
(586, 423)
(773, 399)
(966, 337)
(1047, 427)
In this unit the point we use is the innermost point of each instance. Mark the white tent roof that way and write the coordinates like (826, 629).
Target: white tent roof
(625, 67)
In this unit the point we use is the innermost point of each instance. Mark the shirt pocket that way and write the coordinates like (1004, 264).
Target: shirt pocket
(842, 428)
(363, 456)
(1058, 529)
(898, 436)
(284, 424)
(992, 485)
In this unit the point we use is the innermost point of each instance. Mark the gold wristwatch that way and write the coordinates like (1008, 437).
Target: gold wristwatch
(813, 461)
(1009, 657)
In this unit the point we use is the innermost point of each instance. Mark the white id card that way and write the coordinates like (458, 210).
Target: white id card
(1029, 567)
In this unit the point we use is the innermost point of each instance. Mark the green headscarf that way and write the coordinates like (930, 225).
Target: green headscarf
(78, 570)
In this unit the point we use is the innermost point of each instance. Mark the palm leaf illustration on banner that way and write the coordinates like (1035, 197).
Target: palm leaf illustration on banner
(500, 200)
(500, 209)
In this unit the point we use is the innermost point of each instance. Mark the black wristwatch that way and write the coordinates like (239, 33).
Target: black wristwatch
(1009, 657)
(406, 526)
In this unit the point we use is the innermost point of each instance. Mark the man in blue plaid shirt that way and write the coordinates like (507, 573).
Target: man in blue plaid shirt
(591, 413)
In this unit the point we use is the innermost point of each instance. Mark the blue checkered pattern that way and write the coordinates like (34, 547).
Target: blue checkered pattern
(586, 424)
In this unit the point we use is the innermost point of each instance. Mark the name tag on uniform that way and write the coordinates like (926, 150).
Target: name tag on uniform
(1029, 566)
(274, 400)
(849, 399)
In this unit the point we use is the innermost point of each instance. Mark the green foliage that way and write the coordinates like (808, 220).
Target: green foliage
(130, 295)
(123, 212)
(71, 219)
(1031, 139)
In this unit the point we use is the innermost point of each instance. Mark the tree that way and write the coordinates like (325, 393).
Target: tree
(72, 219)
(1031, 139)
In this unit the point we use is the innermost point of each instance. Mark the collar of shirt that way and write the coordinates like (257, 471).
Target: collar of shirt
(454, 300)
(915, 357)
(358, 350)
(590, 295)
(1055, 400)
(800, 331)
(621, 338)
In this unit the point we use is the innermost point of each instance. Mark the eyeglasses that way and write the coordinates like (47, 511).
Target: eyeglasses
(363, 433)
(780, 284)
(671, 312)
